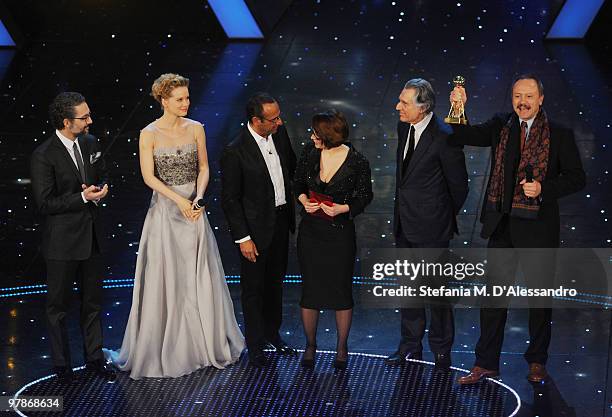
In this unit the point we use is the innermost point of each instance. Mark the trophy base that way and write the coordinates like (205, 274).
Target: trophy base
(456, 120)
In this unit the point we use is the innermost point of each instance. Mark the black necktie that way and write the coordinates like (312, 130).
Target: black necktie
(79, 161)
(409, 151)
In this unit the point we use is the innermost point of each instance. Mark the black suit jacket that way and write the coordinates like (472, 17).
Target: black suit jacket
(433, 189)
(564, 176)
(69, 224)
(247, 194)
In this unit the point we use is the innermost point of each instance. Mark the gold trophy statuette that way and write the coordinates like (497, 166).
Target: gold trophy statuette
(456, 114)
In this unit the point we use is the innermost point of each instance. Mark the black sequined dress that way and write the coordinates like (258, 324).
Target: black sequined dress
(326, 249)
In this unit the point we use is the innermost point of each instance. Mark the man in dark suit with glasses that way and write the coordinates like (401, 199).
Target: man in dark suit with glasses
(68, 181)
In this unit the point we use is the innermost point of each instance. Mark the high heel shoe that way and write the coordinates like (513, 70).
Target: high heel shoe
(309, 362)
(341, 364)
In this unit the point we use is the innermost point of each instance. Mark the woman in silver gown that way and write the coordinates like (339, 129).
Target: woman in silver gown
(182, 316)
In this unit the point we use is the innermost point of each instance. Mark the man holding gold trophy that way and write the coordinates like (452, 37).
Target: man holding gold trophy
(534, 162)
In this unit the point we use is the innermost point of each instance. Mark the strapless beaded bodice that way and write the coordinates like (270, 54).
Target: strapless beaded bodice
(176, 165)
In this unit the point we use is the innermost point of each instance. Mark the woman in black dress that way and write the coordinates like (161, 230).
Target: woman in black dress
(332, 182)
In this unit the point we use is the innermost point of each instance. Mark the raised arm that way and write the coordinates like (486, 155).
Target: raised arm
(478, 135)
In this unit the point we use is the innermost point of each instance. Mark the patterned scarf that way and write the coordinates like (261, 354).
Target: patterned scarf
(535, 153)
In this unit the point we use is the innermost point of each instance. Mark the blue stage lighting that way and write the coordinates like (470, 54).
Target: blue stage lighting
(574, 19)
(5, 37)
(236, 19)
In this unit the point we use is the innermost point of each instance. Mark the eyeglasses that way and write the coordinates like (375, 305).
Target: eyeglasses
(87, 116)
(273, 120)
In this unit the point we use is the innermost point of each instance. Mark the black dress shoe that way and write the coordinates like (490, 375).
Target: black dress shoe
(101, 369)
(340, 364)
(281, 347)
(443, 362)
(64, 374)
(257, 359)
(400, 358)
(308, 358)
(340, 361)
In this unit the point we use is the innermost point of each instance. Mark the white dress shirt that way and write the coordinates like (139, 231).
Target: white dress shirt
(268, 151)
(69, 143)
(419, 128)
(270, 156)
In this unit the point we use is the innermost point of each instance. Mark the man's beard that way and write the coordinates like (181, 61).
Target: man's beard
(77, 132)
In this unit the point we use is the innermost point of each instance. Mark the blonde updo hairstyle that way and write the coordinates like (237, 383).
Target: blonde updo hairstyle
(162, 87)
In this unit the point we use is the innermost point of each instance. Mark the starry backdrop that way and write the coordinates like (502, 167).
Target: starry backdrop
(354, 56)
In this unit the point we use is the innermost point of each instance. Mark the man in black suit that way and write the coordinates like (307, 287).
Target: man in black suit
(521, 213)
(67, 175)
(257, 170)
(431, 187)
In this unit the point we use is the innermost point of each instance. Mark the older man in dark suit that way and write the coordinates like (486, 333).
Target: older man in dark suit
(431, 187)
(534, 162)
(68, 178)
(257, 170)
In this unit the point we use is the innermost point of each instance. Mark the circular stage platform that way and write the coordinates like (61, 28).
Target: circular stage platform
(367, 388)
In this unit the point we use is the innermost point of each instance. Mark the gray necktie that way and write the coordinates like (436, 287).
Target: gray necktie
(79, 160)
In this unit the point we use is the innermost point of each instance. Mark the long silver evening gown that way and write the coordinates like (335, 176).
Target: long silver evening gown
(182, 316)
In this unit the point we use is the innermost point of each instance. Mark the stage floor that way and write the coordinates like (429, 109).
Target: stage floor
(578, 366)
(367, 388)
